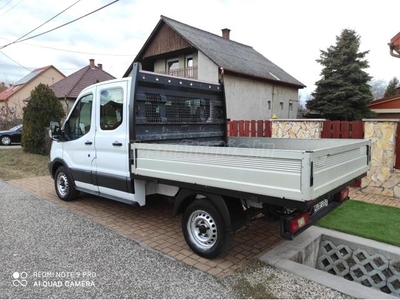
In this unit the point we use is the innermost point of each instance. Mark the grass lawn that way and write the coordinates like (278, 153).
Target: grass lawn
(372, 221)
(15, 164)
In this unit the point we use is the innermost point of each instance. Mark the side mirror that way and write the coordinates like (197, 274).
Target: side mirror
(54, 131)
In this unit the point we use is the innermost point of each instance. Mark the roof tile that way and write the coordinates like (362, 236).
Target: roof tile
(71, 86)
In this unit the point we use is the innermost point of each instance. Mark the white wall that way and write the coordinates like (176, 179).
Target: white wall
(248, 99)
(208, 71)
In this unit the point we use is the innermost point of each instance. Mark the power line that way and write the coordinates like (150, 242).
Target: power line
(40, 25)
(6, 4)
(67, 23)
(73, 51)
(11, 8)
(14, 61)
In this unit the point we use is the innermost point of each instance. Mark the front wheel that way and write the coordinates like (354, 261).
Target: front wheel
(5, 140)
(204, 229)
(64, 186)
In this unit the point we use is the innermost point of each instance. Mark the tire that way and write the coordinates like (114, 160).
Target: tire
(5, 140)
(64, 185)
(204, 229)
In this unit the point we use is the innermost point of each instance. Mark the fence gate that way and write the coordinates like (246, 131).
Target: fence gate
(343, 130)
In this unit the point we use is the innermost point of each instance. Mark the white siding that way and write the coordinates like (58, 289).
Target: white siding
(208, 71)
(248, 99)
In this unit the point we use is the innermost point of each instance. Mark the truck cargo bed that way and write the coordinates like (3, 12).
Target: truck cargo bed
(294, 169)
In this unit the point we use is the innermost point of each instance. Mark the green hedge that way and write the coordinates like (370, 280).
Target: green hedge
(42, 108)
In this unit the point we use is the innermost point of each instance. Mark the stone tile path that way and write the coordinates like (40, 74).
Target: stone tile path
(154, 226)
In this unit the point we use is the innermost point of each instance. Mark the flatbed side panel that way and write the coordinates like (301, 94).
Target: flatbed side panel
(335, 168)
(311, 145)
(255, 171)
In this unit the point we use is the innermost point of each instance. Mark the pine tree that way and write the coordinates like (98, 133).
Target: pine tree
(391, 88)
(42, 108)
(343, 91)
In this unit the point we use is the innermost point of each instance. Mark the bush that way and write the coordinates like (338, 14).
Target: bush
(42, 108)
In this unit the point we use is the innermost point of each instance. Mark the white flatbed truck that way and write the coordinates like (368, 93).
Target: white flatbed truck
(148, 134)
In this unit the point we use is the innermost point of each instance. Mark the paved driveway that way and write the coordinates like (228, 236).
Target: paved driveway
(153, 225)
(47, 251)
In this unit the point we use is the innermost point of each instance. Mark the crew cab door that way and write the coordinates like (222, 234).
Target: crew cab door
(112, 141)
(78, 143)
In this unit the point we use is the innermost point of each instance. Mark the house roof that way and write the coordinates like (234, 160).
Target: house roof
(25, 80)
(4, 95)
(392, 102)
(230, 55)
(71, 86)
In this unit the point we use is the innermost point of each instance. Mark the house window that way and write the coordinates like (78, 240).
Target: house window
(189, 67)
(281, 104)
(173, 67)
(291, 106)
(269, 105)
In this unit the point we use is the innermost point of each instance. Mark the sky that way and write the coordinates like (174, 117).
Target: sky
(290, 33)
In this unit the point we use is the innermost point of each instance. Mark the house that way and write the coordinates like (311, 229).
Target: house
(394, 46)
(387, 108)
(68, 89)
(12, 100)
(255, 87)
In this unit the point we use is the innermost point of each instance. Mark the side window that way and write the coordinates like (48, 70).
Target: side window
(80, 119)
(111, 105)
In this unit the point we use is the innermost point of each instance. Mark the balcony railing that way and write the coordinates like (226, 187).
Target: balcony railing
(183, 72)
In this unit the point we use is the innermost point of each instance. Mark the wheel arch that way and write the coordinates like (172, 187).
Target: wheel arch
(55, 164)
(185, 197)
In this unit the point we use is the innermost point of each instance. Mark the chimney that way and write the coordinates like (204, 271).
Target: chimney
(91, 63)
(225, 33)
(100, 66)
(398, 90)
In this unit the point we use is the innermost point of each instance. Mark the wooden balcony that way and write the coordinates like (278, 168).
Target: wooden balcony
(183, 72)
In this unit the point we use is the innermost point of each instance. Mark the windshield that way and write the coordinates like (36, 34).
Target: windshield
(16, 127)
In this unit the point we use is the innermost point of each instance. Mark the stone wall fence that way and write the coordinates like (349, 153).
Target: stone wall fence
(298, 128)
(382, 178)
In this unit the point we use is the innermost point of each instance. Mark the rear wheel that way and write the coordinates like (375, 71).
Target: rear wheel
(5, 140)
(64, 186)
(204, 229)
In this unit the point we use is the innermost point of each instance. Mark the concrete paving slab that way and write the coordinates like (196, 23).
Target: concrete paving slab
(280, 257)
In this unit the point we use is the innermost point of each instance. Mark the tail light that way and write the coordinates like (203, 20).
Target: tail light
(344, 195)
(298, 222)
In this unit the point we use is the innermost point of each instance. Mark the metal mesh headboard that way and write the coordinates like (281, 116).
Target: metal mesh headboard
(175, 110)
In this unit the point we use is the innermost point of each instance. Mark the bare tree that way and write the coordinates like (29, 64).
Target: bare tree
(378, 87)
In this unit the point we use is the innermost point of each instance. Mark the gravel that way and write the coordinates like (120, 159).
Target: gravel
(47, 252)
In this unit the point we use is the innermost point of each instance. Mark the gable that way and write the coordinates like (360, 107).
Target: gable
(170, 35)
(166, 40)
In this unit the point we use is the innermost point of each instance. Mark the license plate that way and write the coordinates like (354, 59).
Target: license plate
(320, 205)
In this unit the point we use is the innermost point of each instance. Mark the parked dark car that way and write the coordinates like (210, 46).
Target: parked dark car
(11, 136)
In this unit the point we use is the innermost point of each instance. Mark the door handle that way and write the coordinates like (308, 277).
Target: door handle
(117, 144)
(88, 143)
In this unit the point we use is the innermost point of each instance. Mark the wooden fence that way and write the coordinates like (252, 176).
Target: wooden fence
(342, 130)
(253, 128)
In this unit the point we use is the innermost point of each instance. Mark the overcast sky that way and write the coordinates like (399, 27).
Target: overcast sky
(290, 33)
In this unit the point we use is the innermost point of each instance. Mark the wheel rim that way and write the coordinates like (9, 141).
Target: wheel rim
(5, 140)
(62, 184)
(202, 229)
